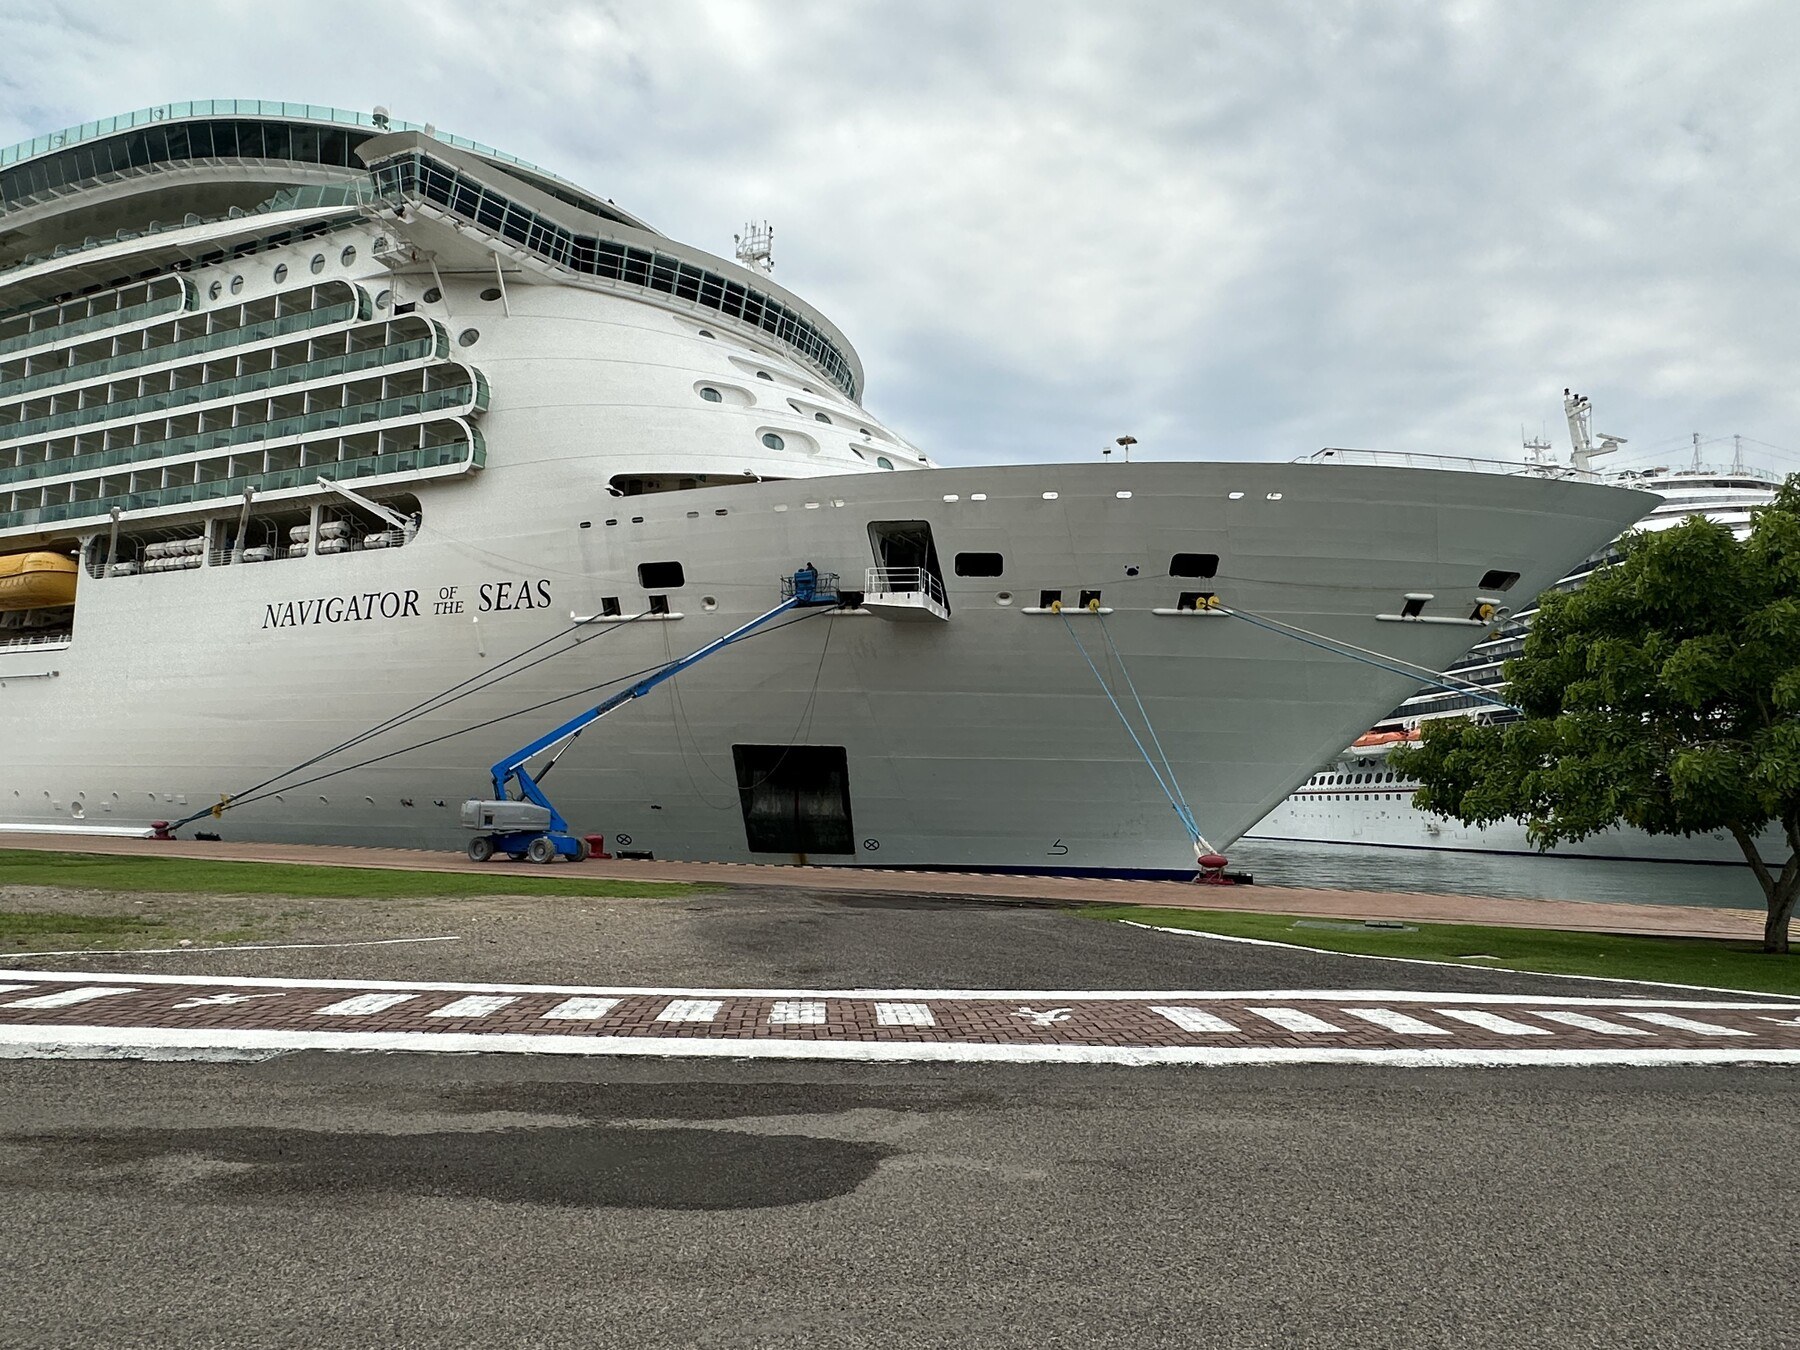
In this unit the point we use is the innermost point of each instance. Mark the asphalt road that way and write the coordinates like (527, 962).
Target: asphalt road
(424, 1201)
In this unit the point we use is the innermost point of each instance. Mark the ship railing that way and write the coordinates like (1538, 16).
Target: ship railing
(904, 580)
(1407, 459)
(56, 637)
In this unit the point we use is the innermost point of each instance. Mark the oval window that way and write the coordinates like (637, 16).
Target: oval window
(491, 293)
(318, 263)
(773, 441)
(821, 417)
(348, 256)
(280, 273)
(432, 295)
(884, 461)
(705, 334)
(711, 395)
(237, 284)
(468, 337)
(215, 290)
(381, 300)
(764, 375)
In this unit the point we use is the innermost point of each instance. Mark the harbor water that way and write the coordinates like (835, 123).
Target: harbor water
(1364, 867)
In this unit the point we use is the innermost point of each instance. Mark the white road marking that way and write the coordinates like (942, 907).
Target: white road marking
(808, 1012)
(1045, 1017)
(1686, 1024)
(14, 988)
(221, 1000)
(1293, 1019)
(1397, 1021)
(583, 1009)
(1193, 1019)
(64, 998)
(903, 1015)
(1488, 1021)
(475, 1005)
(1586, 1023)
(231, 947)
(691, 1010)
(363, 1004)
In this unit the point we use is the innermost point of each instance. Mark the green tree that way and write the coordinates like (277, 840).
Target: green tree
(1664, 694)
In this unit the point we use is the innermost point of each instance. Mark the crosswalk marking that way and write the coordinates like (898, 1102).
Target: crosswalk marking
(903, 1015)
(691, 1010)
(1397, 1021)
(64, 998)
(582, 1009)
(1488, 1021)
(1586, 1023)
(363, 1004)
(1292, 1019)
(1192, 1019)
(803, 1011)
(475, 1005)
(14, 988)
(1686, 1024)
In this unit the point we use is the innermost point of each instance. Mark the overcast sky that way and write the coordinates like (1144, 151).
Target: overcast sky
(1233, 230)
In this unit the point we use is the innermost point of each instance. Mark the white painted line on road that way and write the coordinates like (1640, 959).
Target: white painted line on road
(1488, 1021)
(14, 988)
(691, 1010)
(229, 947)
(64, 998)
(1686, 1024)
(583, 1009)
(475, 1005)
(903, 1015)
(1586, 1023)
(1195, 1020)
(1745, 1001)
(202, 1042)
(1397, 1021)
(363, 1004)
(1294, 1020)
(808, 1012)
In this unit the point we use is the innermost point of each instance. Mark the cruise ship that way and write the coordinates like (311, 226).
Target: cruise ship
(1358, 799)
(341, 456)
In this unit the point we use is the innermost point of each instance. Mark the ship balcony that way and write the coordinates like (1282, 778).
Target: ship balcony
(908, 594)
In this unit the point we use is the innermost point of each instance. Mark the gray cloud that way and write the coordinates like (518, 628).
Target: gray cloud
(1232, 230)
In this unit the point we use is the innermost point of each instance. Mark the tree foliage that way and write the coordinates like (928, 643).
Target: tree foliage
(1664, 694)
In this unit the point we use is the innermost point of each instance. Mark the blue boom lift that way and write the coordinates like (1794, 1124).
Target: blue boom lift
(530, 826)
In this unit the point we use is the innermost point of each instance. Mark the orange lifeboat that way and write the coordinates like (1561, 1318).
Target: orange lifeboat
(36, 581)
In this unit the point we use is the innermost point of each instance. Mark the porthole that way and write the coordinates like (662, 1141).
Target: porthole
(773, 441)
(384, 299)
(1003, 598)
(318, 263)
(705, 334)
(1274, 496)
(468, 337)
(884, 461)
(821, 417)
(710, 394)
(215, 290)
(1123, 496)
(431, 296)
(709, 603)
(491, 293)
(1235, 496)
(764, 375)
(237, 284)
(348, 256)
(280, 273)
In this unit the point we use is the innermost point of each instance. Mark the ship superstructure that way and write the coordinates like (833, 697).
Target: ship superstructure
(1357, 799)
(308, 415)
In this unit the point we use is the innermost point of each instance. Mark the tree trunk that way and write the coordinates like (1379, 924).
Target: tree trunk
(1775, 928)
(1779, 891)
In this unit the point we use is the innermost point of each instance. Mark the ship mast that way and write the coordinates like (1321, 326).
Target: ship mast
(1581, 438)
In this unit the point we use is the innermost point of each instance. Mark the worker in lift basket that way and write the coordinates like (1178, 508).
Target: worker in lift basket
(806, 582)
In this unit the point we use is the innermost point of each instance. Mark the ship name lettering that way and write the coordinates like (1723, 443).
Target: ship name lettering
(342, 609)
(498, 595)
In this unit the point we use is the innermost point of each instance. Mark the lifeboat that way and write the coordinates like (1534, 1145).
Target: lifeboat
(36, 581)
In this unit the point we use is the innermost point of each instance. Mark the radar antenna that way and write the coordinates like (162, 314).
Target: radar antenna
(1581, 438)
(756, 247)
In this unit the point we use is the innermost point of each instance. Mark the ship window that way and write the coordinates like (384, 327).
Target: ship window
(213, 291)
(661, 576)
(764, 375)
(237, 284)
(1194, 565)
(348, 256)
(382, 299)
(1497, 580)
(431, 296)
(491, 293)
(468, 337)
(318, 263)
(704, 333)
(711, 395)
(659, 604)
(280, 273)
(773, 441)
(821, 417)
(884, 461)
(980, 565)
(609, 606)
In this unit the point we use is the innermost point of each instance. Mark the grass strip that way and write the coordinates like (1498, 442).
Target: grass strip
(194, 876)
(1677, 960)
